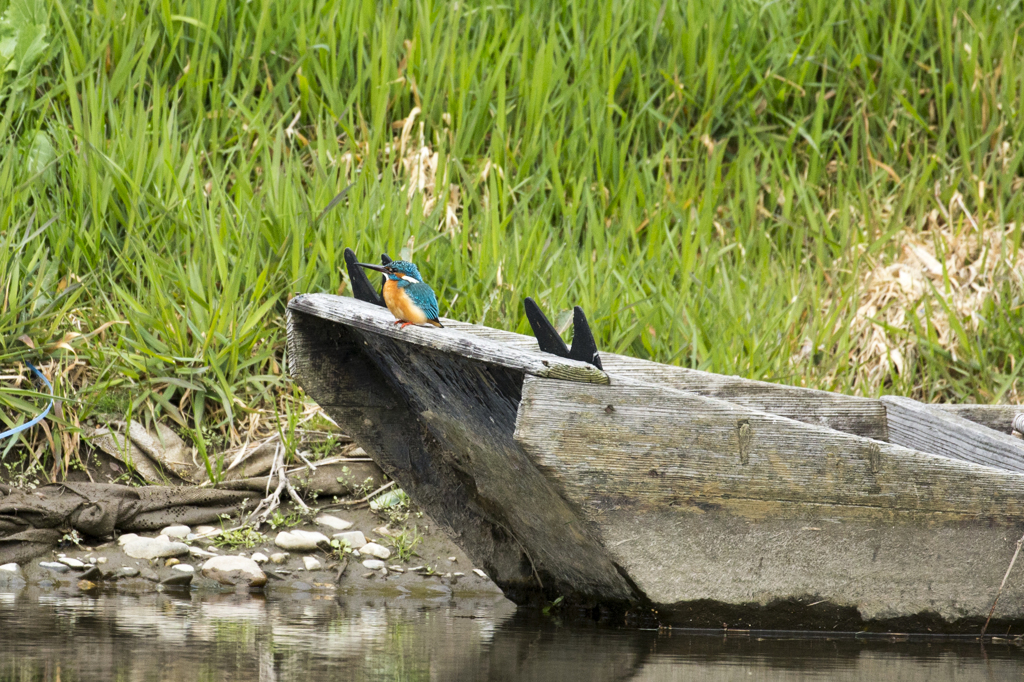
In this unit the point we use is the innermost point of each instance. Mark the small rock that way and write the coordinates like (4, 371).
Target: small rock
(354, 538)
(479, 573)
(385, 531)
(101, 560)
(176, 532)
(183, 568)
(195, 551)
(92, 560)
(86, 585)
(311, 563)
(72, 563)
(126, 572)
(300, 540)
(149, 574)
(177, 580)
(148, 548)
(334, 522)
(234, 570)
(369, 575)
(396, 569)
(453, 559)
(126, 538)
(207, 530)
(10, 568)
(171, 562)
(279, 557)
(375, 550)
(55, 566)
(260, 558)
(458, 575)
(91, 573)
(373, 564)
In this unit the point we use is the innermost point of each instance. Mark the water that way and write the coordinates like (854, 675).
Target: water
(311, 637)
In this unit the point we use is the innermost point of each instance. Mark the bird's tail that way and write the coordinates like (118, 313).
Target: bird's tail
(436, 322)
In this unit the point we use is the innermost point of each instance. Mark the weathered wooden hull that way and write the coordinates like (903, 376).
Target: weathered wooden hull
(647, 489)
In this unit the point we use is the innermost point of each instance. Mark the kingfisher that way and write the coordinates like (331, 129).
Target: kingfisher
(406, 295)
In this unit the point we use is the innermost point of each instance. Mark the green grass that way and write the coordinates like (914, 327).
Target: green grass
(700, 177)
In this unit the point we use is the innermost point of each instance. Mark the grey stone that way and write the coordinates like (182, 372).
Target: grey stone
(354, 538)
(55, 566)
(260, 558)
(92, 573)
(311, 563)
(177, 580)
(234, 570)
(279, 557)
(126, 572)
(149, 574)
(333, 522)
(184, 568)
(71, 562)
(300, 540)
(148, 548)
(375, 550)
(373, 564)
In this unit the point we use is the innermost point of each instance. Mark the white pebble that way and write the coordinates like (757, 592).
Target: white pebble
(279, 557)
(184, 568)
(311, 563)
(10, 568)
(453, 559)
(354, 538)
(479, 573)
(176, 532)
(300, 540)
(375, 550)
(72, 563)
(260, 558)
(334, 522)
(101, 560)
(374, 564)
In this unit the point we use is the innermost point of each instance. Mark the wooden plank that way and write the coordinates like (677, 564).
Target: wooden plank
(374, 319)
(701, 501)
(649, 447)
(441, 425)
(996, 417)
(920, 426)
(851, 414)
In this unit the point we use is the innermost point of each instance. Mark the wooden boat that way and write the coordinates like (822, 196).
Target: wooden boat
(695, 498)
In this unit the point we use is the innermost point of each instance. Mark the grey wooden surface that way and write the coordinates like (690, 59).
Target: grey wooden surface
(376, 320)
(942, 432)
(441, 423)
(649, 447)
(700, 500)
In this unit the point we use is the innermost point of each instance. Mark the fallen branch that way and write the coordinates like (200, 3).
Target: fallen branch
(1003, 584)
(272, 501)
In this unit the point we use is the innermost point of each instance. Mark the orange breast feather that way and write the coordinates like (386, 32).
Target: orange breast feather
(400, 305)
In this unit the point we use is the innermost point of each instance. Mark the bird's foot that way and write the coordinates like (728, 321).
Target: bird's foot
(403, 323)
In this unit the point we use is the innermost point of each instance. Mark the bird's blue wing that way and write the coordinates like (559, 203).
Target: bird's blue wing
(424, 297)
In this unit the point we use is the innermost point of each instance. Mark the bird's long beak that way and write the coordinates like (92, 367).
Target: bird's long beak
(378, 268)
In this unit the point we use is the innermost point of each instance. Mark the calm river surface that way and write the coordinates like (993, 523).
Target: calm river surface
(67, 637)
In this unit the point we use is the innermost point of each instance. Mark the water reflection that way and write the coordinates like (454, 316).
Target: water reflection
(70, 636)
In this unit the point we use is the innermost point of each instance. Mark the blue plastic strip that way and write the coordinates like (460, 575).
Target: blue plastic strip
(28, 425)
